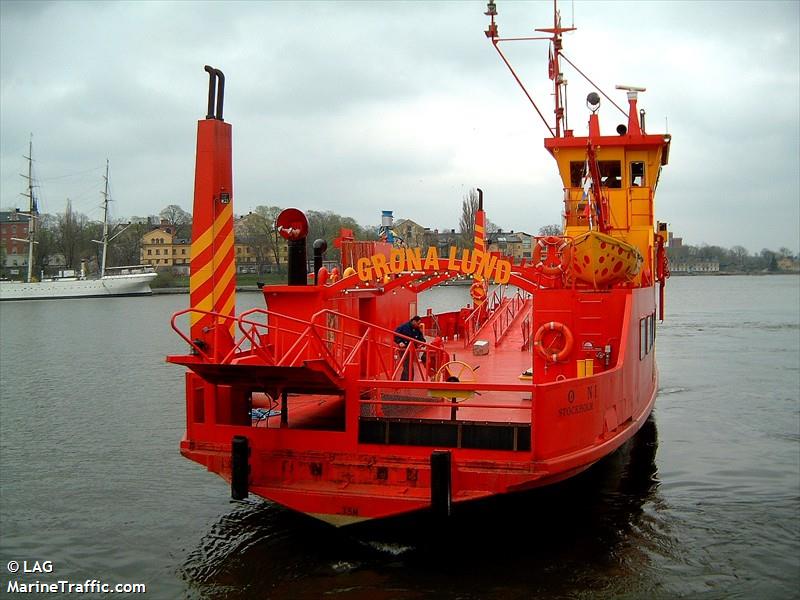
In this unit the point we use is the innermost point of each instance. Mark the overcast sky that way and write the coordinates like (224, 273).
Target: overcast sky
(404, 106)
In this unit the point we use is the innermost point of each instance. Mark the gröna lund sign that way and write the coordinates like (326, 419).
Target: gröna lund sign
(400, 260)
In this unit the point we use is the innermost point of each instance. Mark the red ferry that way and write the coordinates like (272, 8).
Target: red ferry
(315, 402)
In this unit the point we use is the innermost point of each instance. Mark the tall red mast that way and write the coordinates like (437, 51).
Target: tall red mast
(554, 67)
(554, 64)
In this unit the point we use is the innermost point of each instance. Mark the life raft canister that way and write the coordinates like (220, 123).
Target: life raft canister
(550, 354)
(560, 249)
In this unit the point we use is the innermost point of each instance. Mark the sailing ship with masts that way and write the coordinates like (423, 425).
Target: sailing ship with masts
(116, 281)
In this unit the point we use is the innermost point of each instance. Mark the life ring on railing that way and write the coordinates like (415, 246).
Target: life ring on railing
(560, 249)
(549, 353)
(478, 291)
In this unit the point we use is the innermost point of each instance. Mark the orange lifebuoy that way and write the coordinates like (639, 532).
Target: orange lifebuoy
(560, 249)
(549, 353)
(477, 291)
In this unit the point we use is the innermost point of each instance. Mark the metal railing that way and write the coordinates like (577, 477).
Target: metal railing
(481, 314)
(499, 312)
(339, 340)
(506, 315)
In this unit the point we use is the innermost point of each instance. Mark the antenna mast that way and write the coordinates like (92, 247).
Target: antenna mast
(104, 241)
(554, 68)
(554, 65)
(32, 211)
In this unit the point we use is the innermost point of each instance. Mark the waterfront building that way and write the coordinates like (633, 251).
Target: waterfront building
(14, 227)
(161, 248)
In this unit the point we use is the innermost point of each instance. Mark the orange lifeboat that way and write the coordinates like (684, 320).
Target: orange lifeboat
(601, 260)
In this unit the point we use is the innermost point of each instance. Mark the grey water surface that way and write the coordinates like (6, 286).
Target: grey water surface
(703, 503)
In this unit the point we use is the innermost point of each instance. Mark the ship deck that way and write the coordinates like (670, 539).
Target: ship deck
(504, 364)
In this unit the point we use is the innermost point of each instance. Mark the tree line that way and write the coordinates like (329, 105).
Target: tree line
(257, 230)
(65, 240)
(68, 239)
(737, 258)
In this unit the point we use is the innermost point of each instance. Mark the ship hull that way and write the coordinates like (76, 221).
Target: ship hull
(352, 475)
(111, 285)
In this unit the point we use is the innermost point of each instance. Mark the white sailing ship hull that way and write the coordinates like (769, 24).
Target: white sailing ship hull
(137, 284)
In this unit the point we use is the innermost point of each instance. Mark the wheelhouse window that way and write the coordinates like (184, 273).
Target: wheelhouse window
(576, 168)
(610, 173)
(637, 174)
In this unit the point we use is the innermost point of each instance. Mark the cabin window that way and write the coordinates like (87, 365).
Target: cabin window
(642, 338)
(576, 170)
(637, 174)
(647, 335)
(652, 336)
(610, 173)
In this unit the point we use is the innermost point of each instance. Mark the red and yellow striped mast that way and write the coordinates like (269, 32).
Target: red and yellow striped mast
(212, 284)
(479, 285)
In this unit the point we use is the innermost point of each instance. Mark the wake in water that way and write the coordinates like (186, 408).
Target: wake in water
(612, 512)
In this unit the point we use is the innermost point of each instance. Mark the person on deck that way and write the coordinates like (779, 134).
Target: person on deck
(412, 329)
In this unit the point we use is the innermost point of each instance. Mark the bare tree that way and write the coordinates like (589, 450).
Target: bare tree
(257, 230)
(179, 219)
(466, 224)
(269, 231)
(47, 242)
(739, 253)
(553, 229)
(769, 259)
(71, 232)
(126, 248)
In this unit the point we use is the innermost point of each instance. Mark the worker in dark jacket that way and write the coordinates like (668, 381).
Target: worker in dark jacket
(412, 329)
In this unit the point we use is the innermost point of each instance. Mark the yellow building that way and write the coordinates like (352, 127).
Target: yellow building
(161, 248)
(413, 234)
(248, 258)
